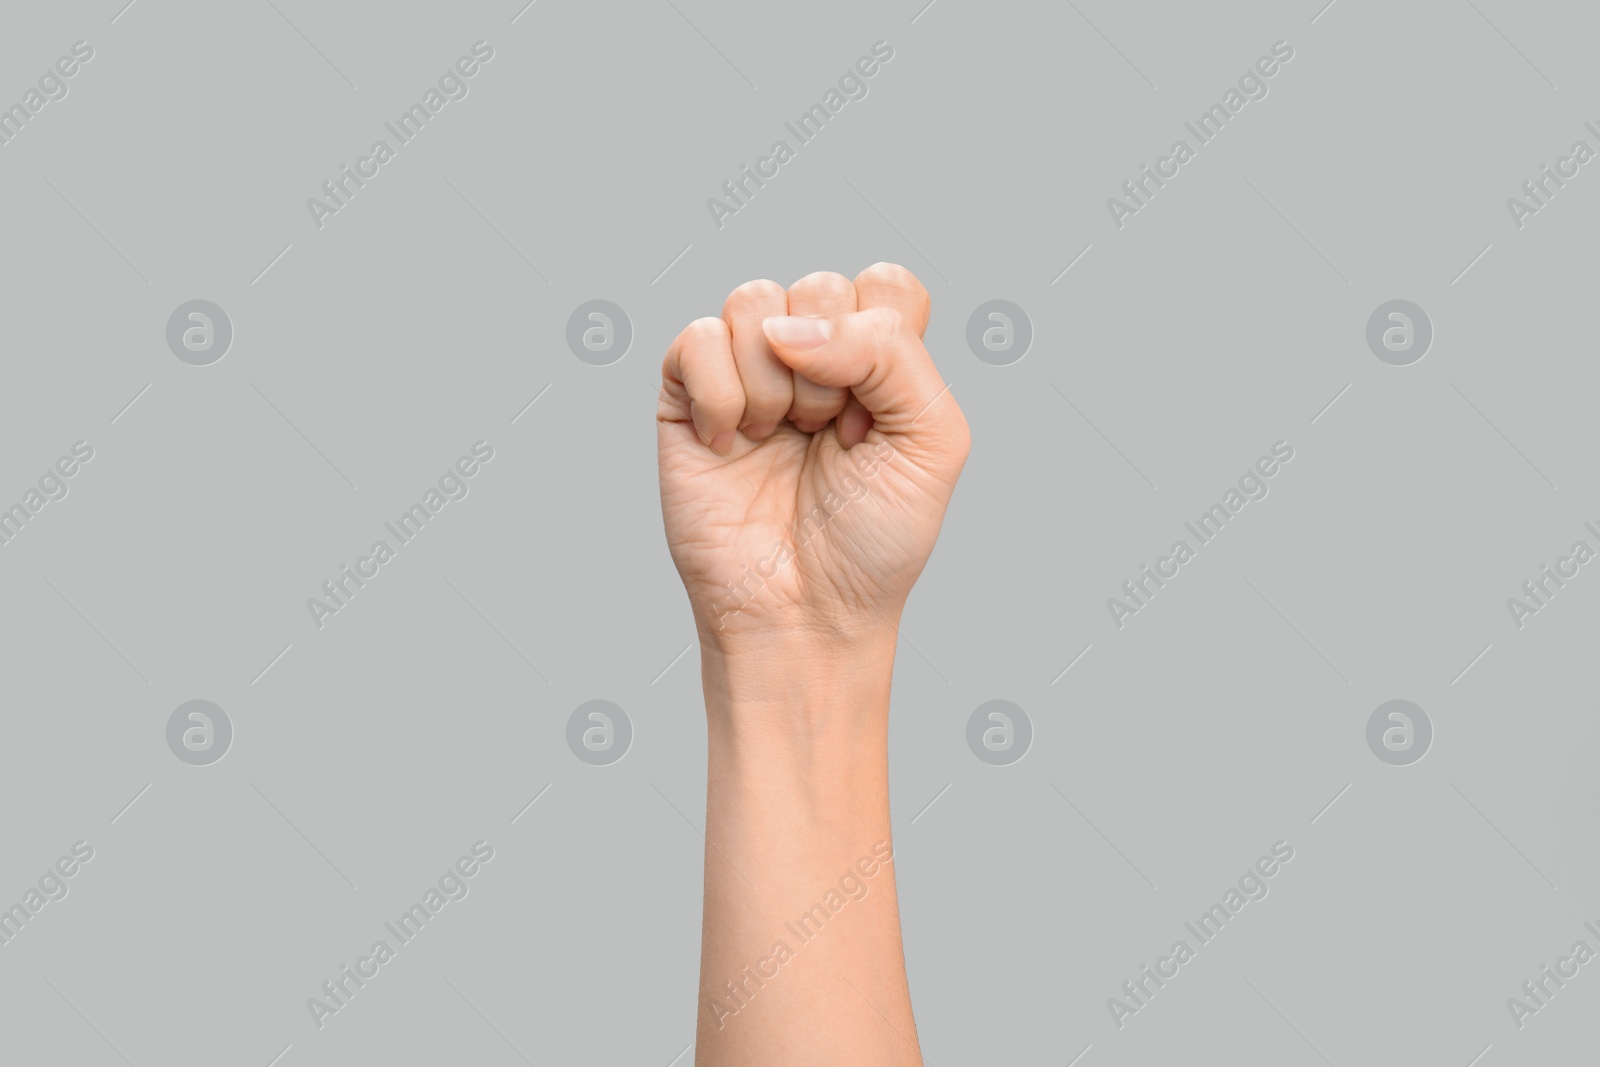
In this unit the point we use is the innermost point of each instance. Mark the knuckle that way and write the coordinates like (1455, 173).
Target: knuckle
(823, 283)
(760, 293)
(891, 277)
(703, 331)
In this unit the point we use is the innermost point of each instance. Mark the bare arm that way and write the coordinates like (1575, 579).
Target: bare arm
(808, 451)
(801, 959)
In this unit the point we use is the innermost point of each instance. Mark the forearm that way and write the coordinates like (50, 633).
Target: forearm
(808, 448)
(801, 959)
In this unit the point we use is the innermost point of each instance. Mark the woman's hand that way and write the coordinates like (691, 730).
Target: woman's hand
(808, 448)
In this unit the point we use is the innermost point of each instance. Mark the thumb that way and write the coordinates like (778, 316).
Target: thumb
(879, 357)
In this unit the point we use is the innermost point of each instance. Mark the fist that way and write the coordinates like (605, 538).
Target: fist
(808, 448)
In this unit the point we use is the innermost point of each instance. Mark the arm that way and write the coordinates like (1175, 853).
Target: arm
(805, 470)
(800, 955)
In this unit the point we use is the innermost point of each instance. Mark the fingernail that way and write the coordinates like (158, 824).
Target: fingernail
(722, 442)
(760, 431)
(798, 332)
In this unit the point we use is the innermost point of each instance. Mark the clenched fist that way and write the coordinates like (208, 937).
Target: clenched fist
(808, 448)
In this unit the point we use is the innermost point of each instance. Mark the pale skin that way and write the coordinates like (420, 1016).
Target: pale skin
(808, 450)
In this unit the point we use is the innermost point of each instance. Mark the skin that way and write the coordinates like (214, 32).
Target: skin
(808, 449)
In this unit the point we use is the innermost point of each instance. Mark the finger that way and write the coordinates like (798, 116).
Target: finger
(702, 384)
(889, 285)
(768, 384)
(877, 355)
(853, 423)
(821, 294)
(882, 285)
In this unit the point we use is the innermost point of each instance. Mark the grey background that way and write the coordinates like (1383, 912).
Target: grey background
(1174, 752)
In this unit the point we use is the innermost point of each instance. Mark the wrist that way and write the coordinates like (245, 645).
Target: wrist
(785, 706)
(820, 680)
(802, 737)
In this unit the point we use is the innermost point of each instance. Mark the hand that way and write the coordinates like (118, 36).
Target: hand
(808, 447)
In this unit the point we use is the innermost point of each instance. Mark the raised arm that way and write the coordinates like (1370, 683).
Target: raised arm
(808, 449)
